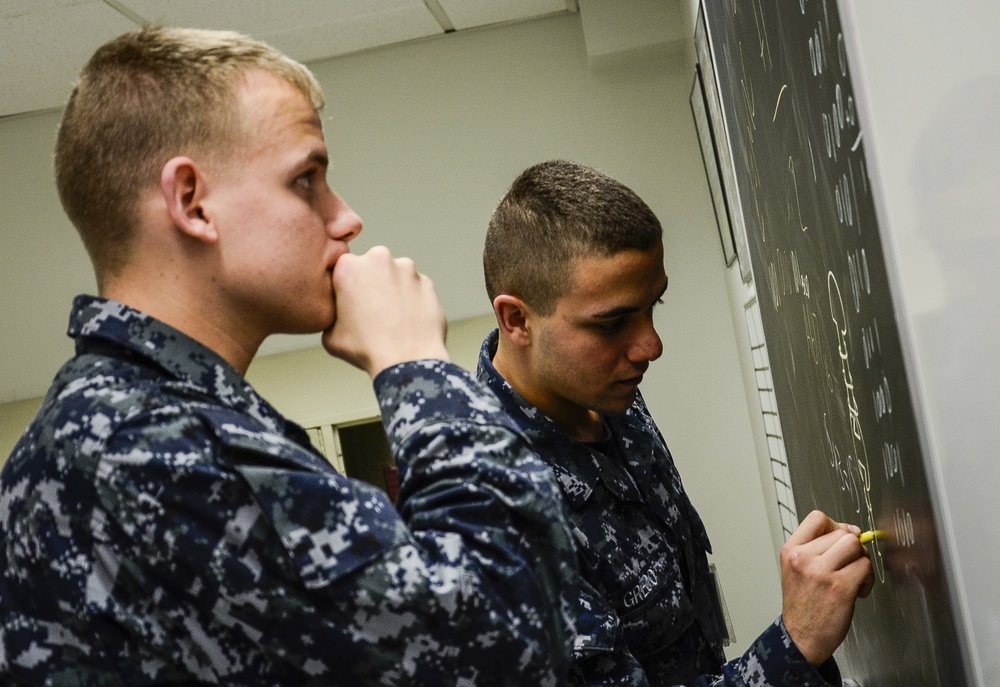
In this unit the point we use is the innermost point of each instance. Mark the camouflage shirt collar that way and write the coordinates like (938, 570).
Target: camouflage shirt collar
(179, 355)
(574, 464)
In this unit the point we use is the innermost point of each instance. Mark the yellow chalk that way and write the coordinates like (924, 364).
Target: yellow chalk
(866, 537)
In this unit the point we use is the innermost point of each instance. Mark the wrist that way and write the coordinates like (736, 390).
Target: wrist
(811, 651)
(377, 364)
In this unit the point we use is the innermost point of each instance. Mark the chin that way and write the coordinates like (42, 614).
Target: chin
(327, 322)
(620, 405)
(310, 325)
(324, 319)
(611, 409)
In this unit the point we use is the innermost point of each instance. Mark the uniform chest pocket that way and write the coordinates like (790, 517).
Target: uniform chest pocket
(656, 609)
(637, 569)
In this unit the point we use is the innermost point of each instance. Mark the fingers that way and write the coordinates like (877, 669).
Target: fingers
(839, 548)
(829, 547)
(847, 556)
(818, 523)
(387, 312)
(824, 570)
(375, 267)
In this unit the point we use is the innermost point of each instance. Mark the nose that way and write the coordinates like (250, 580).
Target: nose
(647, 345)
(342, 223)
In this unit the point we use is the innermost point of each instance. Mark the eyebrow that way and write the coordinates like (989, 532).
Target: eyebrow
(627, 309)
(318, 157)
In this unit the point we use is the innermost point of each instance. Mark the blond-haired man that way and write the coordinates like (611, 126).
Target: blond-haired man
(160, 522)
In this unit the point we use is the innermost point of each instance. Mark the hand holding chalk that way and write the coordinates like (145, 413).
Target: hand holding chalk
(870, 535)
(823, 572)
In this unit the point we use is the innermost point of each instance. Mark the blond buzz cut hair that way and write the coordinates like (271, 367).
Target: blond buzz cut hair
(145, 97)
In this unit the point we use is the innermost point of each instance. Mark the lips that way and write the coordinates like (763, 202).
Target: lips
(631, 381)
(635, 381)
(339, 251)
(331, 266)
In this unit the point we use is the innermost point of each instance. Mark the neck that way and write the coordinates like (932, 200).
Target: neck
(178, 304)
(578, 422)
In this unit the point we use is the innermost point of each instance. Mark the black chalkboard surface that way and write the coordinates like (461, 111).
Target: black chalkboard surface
(799, 183)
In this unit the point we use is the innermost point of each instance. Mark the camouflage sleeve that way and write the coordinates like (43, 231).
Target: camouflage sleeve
(229, 555)
(774, 661)
(486, 510)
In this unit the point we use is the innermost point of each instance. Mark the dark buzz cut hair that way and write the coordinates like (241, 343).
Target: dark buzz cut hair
(554, 213)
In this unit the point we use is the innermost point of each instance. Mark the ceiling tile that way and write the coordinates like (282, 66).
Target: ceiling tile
(240, 15)
(321, 40)
(15, 8)
(465, 14)
(42, 51)
(305, 29)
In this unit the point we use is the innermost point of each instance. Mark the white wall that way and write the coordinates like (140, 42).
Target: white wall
(426, 137)
(39, 239)
(312, 388)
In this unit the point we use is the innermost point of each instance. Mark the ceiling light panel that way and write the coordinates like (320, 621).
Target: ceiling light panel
(466, 14)
(305, 29)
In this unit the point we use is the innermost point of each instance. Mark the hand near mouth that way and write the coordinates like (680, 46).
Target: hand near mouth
(387, 312)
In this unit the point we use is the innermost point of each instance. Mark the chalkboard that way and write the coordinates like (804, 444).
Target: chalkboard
(800, 182)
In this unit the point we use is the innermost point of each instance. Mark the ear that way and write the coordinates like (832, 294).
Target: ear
(513, 317)
(184, 187)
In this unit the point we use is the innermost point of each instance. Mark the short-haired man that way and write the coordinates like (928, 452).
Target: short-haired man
(160, 523)
(574, 268)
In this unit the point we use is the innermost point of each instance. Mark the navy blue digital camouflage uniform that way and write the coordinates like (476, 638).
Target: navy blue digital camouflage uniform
(162, 524)
(643, 547)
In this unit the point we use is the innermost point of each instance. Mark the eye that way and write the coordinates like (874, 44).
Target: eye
(610, 328)
(306, 180)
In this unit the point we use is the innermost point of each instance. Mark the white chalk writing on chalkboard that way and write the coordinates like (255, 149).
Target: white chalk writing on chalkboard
(858, 456)
(891, 460)
(825, 308)
(795, 188)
